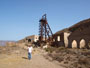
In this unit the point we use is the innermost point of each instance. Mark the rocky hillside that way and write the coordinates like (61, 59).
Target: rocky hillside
(70, 58)
(80, 25)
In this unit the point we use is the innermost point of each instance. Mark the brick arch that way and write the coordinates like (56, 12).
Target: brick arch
(74, 44)
(86, 41)
(82, 43)
(71, 40)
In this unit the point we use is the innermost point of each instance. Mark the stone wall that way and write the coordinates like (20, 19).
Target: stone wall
(66, 35)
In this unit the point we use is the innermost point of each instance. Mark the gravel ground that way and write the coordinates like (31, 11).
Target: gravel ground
(17, 58)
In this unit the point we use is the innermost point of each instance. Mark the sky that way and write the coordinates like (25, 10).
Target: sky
(20, 18)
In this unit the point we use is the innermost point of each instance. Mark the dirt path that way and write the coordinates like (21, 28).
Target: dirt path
(21, 61)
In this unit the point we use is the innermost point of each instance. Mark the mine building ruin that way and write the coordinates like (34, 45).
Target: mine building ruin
(76, 36)
(60, 38)
(30, 39)
(80, 33)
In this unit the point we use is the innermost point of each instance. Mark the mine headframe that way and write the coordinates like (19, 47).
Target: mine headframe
(45, 32)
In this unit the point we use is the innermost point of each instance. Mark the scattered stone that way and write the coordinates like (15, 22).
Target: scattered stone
(72, 58)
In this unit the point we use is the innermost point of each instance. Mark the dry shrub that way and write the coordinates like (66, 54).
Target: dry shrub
(50, 49)
(75, 58)
(58, 58)
(84, 61)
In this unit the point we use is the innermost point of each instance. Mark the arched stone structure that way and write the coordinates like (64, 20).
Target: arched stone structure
(70, 41)
(82, 43)
(74, 44)
(81, 33)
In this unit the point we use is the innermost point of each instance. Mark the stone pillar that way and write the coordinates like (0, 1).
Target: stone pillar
(66, 38)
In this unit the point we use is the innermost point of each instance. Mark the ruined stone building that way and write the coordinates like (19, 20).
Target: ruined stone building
(76, 36)
(30, 39)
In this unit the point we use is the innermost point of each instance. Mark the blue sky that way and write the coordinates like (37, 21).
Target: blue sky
(20, 18)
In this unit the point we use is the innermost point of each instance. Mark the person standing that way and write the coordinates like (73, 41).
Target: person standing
(30, 49)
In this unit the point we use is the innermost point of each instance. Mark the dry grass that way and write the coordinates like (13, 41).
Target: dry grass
(70, 58)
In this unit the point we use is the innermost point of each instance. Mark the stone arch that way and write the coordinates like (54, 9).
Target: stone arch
(82, 43)
(74, 44)
(29, 40)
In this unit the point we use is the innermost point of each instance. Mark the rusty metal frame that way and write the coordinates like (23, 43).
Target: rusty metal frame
(45, 31)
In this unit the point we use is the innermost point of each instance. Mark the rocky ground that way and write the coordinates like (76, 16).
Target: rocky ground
(16, 57)
(70, 58)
